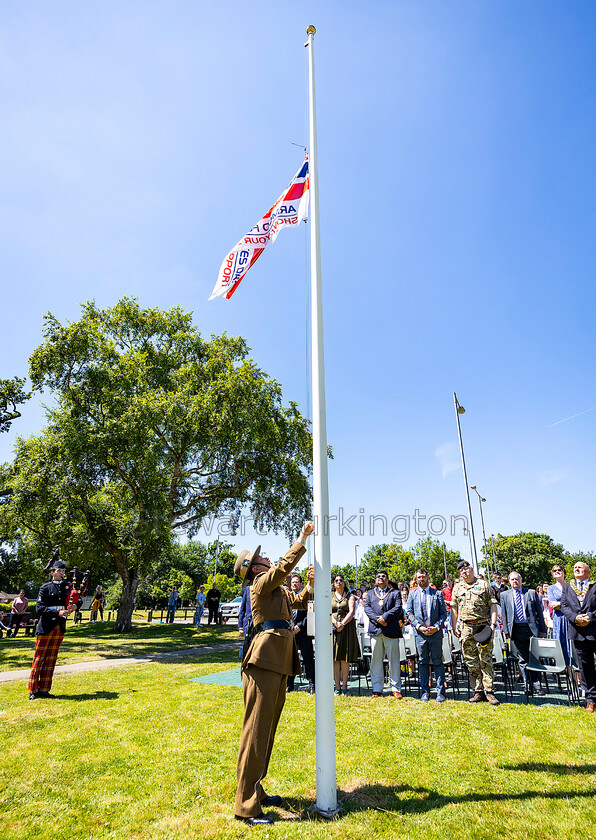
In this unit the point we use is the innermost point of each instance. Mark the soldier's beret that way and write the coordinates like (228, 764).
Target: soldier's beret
(463, 564)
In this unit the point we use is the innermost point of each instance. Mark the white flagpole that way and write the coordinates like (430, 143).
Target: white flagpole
(325, 708)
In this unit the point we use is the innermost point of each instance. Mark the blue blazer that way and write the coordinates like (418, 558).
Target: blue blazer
(532, 609)
(391, 612)
(437, 612)
(245, 611)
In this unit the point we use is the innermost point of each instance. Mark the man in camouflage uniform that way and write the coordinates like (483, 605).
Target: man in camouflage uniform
(474, 604)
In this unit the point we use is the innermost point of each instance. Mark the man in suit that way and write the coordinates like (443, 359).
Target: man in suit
(303, 640)
(270, 658)
(213, 599)
(384, 609)
(578, 605)
(53, 612)
(522, 618)
(427, 613)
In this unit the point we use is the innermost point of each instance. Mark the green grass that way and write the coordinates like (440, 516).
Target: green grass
(143, 753)
(85, 642)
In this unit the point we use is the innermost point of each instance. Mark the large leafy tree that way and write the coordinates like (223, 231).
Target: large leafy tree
(530, 554)
(152, 429)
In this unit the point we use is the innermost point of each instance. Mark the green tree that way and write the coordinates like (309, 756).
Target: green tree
(12, 394)
(397, 560)
(571, 558)
(433, 556)
(228, 586)
(530, 554)
(163, 586)
(401, 563)
(152, 429)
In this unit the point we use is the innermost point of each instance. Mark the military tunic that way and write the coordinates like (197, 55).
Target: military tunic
(473, 602)
(270, 659)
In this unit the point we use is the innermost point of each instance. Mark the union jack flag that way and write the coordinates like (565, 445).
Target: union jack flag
(290, 209)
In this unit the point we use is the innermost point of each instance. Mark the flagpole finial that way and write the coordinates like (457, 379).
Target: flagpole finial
(311, 30)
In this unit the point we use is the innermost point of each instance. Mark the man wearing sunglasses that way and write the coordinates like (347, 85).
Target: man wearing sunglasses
(270, 657)
(385, 611)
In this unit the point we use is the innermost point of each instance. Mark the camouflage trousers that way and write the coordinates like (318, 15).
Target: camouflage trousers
(478, 658)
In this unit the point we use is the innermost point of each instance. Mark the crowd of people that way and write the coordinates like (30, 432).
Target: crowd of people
(471, 609)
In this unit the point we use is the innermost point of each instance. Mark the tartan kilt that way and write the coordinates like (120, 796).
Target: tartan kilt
(44, 660)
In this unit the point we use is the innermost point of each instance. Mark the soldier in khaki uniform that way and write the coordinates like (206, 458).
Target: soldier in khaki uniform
(474, 604)
(270, 658)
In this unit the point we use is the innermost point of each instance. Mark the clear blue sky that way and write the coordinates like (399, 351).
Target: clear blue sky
(140, 140)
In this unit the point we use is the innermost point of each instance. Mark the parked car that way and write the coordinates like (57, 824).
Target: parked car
(230, 610)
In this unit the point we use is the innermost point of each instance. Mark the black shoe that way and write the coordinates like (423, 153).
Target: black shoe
(271, 800)
(33, 696)
(46, 695)
(260, 819)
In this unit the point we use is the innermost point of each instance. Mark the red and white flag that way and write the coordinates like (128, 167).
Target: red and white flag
(290, 209)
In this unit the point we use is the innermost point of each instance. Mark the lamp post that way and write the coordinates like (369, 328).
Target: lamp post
(216, 559)
(480, 500)
(492, 539)
(459, 409)
(356, 547)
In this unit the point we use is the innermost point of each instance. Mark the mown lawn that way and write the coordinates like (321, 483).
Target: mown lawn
(85, 642)
(144, 753)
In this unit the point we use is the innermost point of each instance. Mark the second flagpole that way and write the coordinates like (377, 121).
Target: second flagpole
(325, 708)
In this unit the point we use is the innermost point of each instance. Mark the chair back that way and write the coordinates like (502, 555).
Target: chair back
(365, 643)
(410, 643)
(401, 646)
(446, 649)
(550, 650)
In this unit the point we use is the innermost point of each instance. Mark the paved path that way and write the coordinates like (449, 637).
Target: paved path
(100, 664)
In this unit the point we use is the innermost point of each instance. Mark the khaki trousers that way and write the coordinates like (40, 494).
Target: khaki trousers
(478, 658)
(264, 698)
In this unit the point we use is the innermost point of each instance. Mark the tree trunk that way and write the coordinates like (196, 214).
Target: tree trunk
(130, 581)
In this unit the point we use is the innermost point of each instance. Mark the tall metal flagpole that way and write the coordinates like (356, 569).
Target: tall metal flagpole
(459, 409)
(325, 708)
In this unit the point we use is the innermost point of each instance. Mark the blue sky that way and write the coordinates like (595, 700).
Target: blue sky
(456, 156)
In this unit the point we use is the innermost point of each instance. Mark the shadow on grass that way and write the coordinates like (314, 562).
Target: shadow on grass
(406, 799)
(99, 640)
(545, 767)
(98, 695)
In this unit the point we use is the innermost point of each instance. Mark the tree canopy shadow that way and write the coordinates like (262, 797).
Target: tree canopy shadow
(98, 695)
(387, 798)
(546, 767)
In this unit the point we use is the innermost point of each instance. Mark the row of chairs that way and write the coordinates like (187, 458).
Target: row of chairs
(546, 660)
(408, 657)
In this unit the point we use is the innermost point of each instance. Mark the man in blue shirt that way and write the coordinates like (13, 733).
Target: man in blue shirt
(172, 604)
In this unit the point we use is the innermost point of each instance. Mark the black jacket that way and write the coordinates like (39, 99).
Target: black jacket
(571, 608)
(50, 598)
